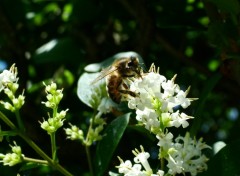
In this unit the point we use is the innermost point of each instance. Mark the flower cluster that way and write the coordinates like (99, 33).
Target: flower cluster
(8, 83)
(157, 107)
(74, 133)
(13, 158)
(8, 77)
(52, 124)
(183, 155)
(156, 101)
(54, 97)
(96, 126)
(141, 166)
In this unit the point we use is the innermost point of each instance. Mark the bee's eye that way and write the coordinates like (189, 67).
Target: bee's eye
(130, 64)
(133, 62)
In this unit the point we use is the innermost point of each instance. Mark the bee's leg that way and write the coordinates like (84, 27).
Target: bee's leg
(126, 90)
(133, 94)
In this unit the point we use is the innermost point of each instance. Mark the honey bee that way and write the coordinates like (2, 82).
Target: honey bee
(116, 74)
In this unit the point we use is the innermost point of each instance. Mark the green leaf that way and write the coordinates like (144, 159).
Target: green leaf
(6, 133)
(210, 84)
(108, 144)
(225, 162)
(89, 93)
(58, 50)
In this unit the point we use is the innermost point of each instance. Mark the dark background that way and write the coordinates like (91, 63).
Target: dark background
(198, 40)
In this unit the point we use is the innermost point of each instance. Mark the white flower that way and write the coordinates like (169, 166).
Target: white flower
(165, 140)
(142, 157)
(156, 100)
(149, 118)
(8, 76)
(128, 169)
(105, 105)
(8, 83)
(175, 166)
(159, 173)
(186, 156)
(140, 167)
(179, 119)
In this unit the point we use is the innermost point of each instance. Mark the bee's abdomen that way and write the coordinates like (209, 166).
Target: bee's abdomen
(113, 83)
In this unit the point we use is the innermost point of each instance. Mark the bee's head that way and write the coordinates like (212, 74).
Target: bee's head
(129, 67)
(134, 66)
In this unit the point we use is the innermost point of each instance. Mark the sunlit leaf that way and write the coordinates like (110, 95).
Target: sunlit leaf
(86, 91)
(58, 50)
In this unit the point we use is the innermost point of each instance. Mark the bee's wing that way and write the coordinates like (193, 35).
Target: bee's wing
(104, 73)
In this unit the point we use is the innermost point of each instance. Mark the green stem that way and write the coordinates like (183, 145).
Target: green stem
(35, 147)
(44, 155)
(87, 145)
(89, 159)
(19, 121)
(53, 146)
(162, 163)
(7, 121)
(53, 138)
(35, 160)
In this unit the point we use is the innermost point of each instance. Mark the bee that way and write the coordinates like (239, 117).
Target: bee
(120, 70)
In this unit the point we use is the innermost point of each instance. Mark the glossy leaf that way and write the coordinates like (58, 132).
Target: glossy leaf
(198, 121)
(108, 144)
(225, 162)
(57, 50)
(86, 91)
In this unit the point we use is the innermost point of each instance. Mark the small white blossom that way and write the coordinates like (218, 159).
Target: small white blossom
(105, 105)
(128, 169)
(142, 157)
(175, 166)
(61, 114)
(179, 119)
(149, 118)
(159, 173)
(165, 140)
(74, 133)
